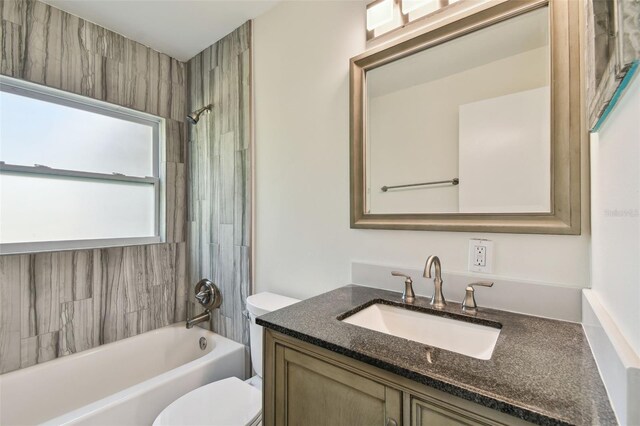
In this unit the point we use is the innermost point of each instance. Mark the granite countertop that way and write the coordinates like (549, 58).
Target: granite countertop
(541, 370)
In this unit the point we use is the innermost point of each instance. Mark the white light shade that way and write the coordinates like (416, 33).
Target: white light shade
(411, 5)
(379, 14)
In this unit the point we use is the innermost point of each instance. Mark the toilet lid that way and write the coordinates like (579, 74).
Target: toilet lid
(228, 402)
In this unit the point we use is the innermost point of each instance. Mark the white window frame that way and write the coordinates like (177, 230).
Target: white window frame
(48, 94)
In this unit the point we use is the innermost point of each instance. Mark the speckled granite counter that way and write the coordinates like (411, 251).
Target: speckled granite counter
(541, 370)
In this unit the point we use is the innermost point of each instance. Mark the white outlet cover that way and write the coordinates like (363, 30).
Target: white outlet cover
(488, 246)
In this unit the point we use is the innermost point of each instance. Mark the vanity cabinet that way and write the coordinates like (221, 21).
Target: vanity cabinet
(308, 385)
(313, 391)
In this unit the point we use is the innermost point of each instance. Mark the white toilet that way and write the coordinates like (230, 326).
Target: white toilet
(229, 402)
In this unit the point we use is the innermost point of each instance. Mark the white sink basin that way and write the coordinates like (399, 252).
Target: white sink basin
(463, 337)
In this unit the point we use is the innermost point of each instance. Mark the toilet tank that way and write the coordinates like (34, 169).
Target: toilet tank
(260, 304)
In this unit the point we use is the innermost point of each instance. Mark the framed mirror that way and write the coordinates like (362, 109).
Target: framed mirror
(473, 126)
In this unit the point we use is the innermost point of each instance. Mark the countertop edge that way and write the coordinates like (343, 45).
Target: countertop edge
(487, 401)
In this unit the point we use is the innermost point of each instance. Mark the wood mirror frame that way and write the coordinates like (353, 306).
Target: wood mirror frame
(567, 129)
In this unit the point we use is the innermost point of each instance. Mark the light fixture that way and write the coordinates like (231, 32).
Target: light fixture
(411, 5)
(379, 13)
(384, 16)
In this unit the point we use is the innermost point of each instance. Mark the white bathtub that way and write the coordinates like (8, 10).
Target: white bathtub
(128, 382)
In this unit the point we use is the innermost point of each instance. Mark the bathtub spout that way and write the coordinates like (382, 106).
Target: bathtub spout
(205, 316)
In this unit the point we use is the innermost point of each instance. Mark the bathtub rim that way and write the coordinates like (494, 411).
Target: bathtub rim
(139, 388)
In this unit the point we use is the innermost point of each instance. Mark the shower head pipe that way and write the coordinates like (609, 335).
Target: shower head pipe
(194, 117)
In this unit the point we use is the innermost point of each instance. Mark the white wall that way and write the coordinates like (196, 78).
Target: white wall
(304, 245)
(615, 169)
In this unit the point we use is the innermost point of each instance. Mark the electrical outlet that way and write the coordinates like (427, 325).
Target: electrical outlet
(481, 256)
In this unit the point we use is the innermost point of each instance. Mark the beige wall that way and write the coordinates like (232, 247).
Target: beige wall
(304, 245)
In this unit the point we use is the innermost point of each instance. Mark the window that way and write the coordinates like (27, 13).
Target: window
(75, 172)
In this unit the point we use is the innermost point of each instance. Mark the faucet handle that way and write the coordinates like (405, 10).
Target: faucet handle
(400, 274)
(408, 296)
(482, 283)
(469, 303)
(208, 294)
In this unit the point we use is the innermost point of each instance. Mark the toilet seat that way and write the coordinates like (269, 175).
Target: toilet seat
(228, 402)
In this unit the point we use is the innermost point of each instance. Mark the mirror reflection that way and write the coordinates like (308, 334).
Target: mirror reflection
(464, 126)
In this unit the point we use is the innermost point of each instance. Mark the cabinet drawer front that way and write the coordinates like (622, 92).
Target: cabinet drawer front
(436, 412)
(310, 391)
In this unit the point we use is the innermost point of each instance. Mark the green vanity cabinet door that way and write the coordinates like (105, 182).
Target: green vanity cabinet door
(310, 391)
(305, 385)
(452, 411)
(433, 413)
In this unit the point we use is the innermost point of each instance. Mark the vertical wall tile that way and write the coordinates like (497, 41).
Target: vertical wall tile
(196, 76)
(242, 199)
(175, 141)
(215, 207)
(178, 95)
(77, 331)
(213, 251)
(225, 276)
(153, 93)
(136, 56)
(194, 244)
(14, 275)
(43, 45)
(62, 274)
(109, 297)
(178, 71)
(56, 31)
(137, 322)
(241, 292)
(182, 289)
(28, 352)
(164, 99)
(227, 178)
(75, 275)
(39, 69)
(204, 247)
(84, 76)
(13, 11)
(161, 262)
(244, 97)
(110, 45)
(135, 92)
(164, 67)
(244, 37)
(12, 49)
(162, 306)
(40, 298)
(137, 277)
(41, 348)
(73, 272)
(230, 98)
(40, 34)
(113, 86)
(219, 178)
(176, 202)
(153, 65)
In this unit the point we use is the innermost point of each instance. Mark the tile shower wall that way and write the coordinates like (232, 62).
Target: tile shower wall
(55, 304)
(219, 179)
